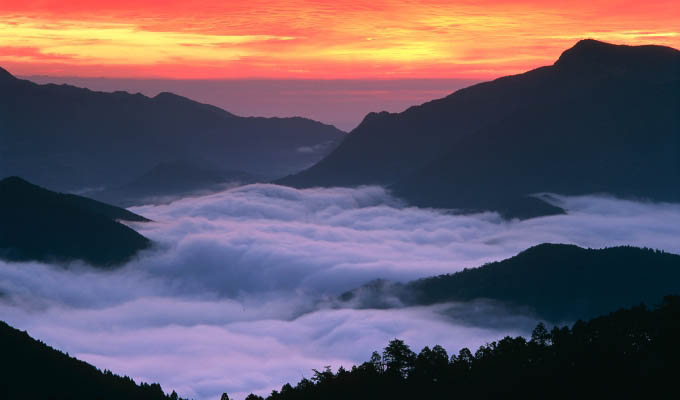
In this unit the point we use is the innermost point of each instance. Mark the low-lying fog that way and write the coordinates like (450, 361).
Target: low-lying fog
(236, 295)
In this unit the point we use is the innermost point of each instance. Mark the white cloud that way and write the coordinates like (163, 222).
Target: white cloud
(232, 296)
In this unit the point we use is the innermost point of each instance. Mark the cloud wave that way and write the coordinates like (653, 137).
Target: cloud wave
(233, 297)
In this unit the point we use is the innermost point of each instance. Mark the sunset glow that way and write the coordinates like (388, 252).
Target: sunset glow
(315, 39)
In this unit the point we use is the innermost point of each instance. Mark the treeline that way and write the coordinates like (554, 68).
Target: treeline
(633, 353)
(29, 369)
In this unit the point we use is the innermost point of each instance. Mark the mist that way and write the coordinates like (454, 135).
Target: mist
(236, 294)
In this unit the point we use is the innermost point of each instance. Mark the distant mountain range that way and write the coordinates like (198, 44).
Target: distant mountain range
(32, 370)
(169, 181)
(604, 118)
(555, 282)
(41, 225)
(68, 138)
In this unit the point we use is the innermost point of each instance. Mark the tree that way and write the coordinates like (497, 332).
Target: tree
(376, 362)
(431, 364)
(398, 358)
(540, 336)
(287, 389)
(323, 376)
(465, 357)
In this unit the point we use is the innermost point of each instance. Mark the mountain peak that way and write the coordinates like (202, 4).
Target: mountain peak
(588, 50)
(374, 116)
(591, 45)
(590, 54)
(168, 96)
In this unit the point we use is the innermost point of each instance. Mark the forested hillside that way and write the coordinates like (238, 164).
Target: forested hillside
(32, 370)
(630, 353)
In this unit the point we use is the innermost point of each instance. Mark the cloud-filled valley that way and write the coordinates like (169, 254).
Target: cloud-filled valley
(236, 295)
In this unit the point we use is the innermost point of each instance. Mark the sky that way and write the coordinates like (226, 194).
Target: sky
(301, 39)
(238, 293)
(332, 61)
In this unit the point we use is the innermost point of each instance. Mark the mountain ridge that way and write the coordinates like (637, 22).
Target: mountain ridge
(81, 136)
(41, 225)
(418, 152)
(556, 282)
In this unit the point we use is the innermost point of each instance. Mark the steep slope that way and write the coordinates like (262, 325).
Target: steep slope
(32, 370)
(37, 224)
(558, 282)
(73, 138)
(603, 118)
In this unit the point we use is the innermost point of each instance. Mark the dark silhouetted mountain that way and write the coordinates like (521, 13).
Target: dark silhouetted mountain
(557, 282)
(32, 370)
(603, 118)
(69, 138)
(628, 354)
(5, 77)
(170, 180)
(37, 224)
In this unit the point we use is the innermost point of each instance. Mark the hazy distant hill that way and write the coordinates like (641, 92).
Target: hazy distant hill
(167, 181)
(603, 118)
(71, 138)
(37, 224)
(557, 282)
(32, 370)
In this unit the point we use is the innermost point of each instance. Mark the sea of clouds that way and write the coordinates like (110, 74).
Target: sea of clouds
(237, 293)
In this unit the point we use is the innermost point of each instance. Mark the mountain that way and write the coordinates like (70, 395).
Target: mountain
(170, 180)
(557, 282)
(603, 118)
(37, 224)
(627, 354)
(70, 138)
(32, 370)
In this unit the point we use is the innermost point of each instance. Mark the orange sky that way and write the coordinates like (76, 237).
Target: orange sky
(315, 39)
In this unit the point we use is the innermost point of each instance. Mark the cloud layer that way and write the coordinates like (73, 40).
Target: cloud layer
(234, 295)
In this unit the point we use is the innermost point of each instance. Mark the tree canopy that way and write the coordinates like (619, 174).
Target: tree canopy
(628, 353)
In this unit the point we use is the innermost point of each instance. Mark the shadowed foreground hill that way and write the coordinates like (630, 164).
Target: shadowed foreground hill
(603, 118)
(37, 224)
(629, 354)
(32, 370)
(555, 281)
